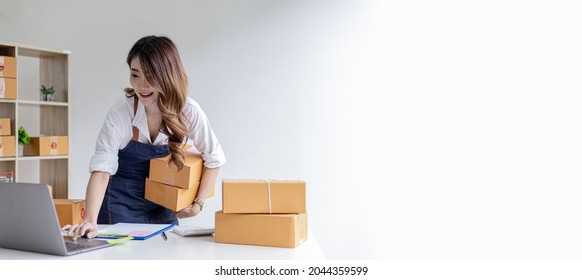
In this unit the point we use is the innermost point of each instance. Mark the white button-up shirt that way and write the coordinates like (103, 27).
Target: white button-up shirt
(117, 132)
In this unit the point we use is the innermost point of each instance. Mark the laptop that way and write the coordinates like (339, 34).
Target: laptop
(29, 222)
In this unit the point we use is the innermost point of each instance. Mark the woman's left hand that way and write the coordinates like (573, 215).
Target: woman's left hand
(189, 211)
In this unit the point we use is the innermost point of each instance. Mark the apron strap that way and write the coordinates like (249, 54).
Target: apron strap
(135, 131)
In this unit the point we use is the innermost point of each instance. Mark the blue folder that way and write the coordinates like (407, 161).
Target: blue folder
(137, 231)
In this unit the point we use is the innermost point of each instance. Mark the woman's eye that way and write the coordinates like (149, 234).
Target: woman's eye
(134, 75)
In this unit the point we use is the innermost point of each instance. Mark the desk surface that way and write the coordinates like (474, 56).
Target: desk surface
(182, 248)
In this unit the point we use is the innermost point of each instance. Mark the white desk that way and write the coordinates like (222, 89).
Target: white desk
(182, 248)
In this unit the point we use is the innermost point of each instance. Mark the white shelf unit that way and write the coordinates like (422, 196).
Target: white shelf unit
(39, 66)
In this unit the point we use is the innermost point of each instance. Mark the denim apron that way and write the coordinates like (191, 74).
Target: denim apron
(124, 200)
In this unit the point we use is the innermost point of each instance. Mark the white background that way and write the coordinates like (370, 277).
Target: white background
(424, 129)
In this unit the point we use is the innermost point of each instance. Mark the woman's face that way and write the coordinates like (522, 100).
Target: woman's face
(143, 90)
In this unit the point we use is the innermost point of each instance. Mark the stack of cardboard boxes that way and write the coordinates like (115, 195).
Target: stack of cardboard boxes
(171, 188)
(8, 71)
(262, 212)
(255, 212)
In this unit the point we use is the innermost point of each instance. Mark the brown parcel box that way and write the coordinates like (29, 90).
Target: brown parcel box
(8, 67)
(70, 211)
(8, 88)
(7, 146)
(161, 172)
(5, 128)
(171, 197)
(252, 196)
(276, 230)
(47, 146)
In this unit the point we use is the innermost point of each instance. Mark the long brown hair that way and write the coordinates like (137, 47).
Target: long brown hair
(163, 70)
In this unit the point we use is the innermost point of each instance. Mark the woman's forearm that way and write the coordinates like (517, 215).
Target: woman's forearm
(207, 182)
(94, 197)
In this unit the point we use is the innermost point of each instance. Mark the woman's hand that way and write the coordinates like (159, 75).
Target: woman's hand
(86, 229)
(189, 211)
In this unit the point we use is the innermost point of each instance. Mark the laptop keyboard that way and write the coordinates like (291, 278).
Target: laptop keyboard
(74, 246)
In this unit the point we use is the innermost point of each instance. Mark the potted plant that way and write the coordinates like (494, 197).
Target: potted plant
(47, 93)
(23, 139)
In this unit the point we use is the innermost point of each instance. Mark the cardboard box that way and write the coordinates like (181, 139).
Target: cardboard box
(5, 128)
(171, 197)
(189, 176)
(7, 146)
(276, 230)
(8, 88)
(70, 211)
(252, 196)
(8, 67)
(47, 146)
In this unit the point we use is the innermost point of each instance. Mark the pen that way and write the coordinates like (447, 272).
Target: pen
(105, 235)
(164, 236)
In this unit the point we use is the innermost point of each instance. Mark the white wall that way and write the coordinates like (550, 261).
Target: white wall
(423, 130)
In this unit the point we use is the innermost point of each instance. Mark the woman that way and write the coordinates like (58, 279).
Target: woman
(154, 119)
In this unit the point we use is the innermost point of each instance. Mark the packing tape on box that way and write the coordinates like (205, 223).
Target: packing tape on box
(269, 193)
(269, 188)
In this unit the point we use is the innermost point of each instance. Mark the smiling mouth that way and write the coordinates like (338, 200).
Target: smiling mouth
(146, 94)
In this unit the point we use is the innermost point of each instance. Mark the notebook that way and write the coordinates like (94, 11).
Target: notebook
(29, 222)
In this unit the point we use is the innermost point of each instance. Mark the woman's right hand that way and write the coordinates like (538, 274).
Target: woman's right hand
(85, 228)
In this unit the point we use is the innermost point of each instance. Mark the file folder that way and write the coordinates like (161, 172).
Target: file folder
(137, 231)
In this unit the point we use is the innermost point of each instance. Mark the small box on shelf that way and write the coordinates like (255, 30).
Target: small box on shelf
(47, 146)
(7, 146)
(5, 128)
(8, 88)
(8, 66)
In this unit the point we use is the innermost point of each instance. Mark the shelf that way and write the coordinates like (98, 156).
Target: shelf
(25, 50)
(37, 66)
(42, 157)
(32, 158)
(43, 103)
(35, 51)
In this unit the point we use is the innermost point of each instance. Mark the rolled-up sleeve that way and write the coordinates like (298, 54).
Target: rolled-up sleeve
(108, 143)
(203, 137)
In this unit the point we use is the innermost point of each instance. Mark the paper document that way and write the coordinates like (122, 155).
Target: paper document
(137, 231)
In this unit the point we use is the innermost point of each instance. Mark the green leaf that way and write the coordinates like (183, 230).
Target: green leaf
(23, 137)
